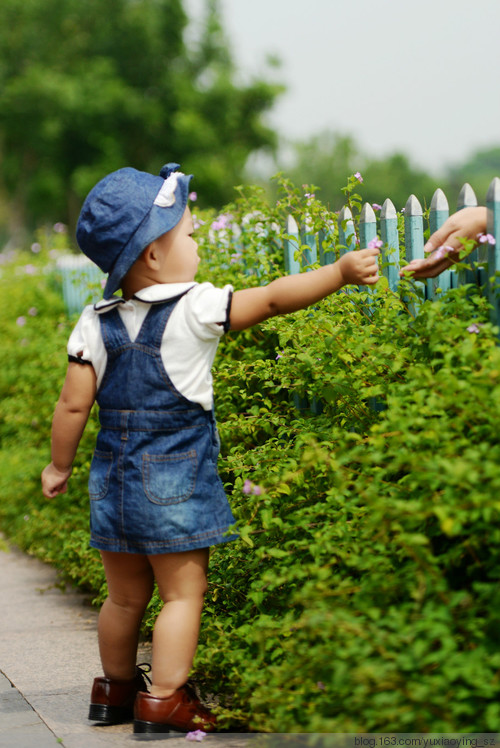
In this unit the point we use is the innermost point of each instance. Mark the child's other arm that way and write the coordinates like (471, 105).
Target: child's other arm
(445, 243)
(293, 292)
(70, 417)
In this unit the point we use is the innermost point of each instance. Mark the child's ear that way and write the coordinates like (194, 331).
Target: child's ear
(150, 256)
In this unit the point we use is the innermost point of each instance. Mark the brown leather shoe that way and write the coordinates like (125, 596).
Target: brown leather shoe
(112, 701)
(182, 711)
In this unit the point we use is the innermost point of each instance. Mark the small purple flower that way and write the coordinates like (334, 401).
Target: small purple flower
(59, 228)
(222, 222)
(376, 206)
(320, 685)
(30, 269)
(375, 243)
(483, 238)
(21, 321)
(197, 735)
(251, 488)
(36, 247)
(474, 328)
(280, 355)
(442, 252)
(193, 196)
(33, 311)
(358, 176)
(310, 195)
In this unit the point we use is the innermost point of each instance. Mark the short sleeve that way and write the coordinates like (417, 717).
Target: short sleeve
(85, 342)
(207, 310)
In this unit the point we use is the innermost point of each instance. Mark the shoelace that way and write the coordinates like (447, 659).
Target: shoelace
(142, 669)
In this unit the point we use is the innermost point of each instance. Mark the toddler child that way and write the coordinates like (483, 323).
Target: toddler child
(156, 501)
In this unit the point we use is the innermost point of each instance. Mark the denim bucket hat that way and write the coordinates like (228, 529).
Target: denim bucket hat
(125, 212)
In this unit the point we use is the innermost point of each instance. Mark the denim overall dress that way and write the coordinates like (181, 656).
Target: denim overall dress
(153, 484)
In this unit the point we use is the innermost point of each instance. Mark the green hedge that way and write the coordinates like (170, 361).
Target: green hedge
(363, 593)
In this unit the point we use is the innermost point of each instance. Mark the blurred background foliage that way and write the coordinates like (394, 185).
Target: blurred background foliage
(86, 88)
(84, 92)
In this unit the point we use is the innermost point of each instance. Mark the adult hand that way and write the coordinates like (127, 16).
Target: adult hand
(444, 245)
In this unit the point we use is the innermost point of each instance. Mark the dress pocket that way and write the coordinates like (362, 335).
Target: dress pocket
(100, 469)
(169, 479)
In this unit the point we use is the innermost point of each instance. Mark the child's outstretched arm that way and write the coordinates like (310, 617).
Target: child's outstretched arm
(70, 417)
(293, 292)
(445, 244)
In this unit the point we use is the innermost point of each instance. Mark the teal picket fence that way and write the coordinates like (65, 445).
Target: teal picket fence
(484, 262)
(82, 280)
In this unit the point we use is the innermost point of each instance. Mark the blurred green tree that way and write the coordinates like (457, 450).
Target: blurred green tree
(88, 87)
(478, 170)
(329, 158)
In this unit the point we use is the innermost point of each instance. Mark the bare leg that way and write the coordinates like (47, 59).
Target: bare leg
(130, 586)
(182, 582)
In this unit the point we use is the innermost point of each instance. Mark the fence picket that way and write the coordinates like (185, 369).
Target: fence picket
(367, 225)
(493, 228)
(390, 237)
(347, 236)
(292, 244)
(438, 213)
(467, 199)
(414, 230)
(310, 252)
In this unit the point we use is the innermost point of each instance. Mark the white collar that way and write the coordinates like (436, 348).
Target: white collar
(149, 295)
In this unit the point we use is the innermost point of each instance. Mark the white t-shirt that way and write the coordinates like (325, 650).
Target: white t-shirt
(190, 340)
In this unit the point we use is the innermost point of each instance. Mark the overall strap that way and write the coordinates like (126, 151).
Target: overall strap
(153, 327)
(114, 333)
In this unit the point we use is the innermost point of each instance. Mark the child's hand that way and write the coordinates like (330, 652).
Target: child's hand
(54, 481)
(359, 267)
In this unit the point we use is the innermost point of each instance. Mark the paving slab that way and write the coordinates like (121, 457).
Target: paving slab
(48, 660)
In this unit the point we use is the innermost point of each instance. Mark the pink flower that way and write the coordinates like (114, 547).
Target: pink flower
(193, 196)
(59, 228)
(442, 252)
(474, 328)
(483, 238)
(36, 247)
(375, 243)
(197, 735)
(249, 487)
(280, 355)
(33, 311)
(358, 176)
(376, 206)
(30, 269)
(222, 222)
(21, 321)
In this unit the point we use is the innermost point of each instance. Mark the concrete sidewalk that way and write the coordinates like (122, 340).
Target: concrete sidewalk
(48, 660)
